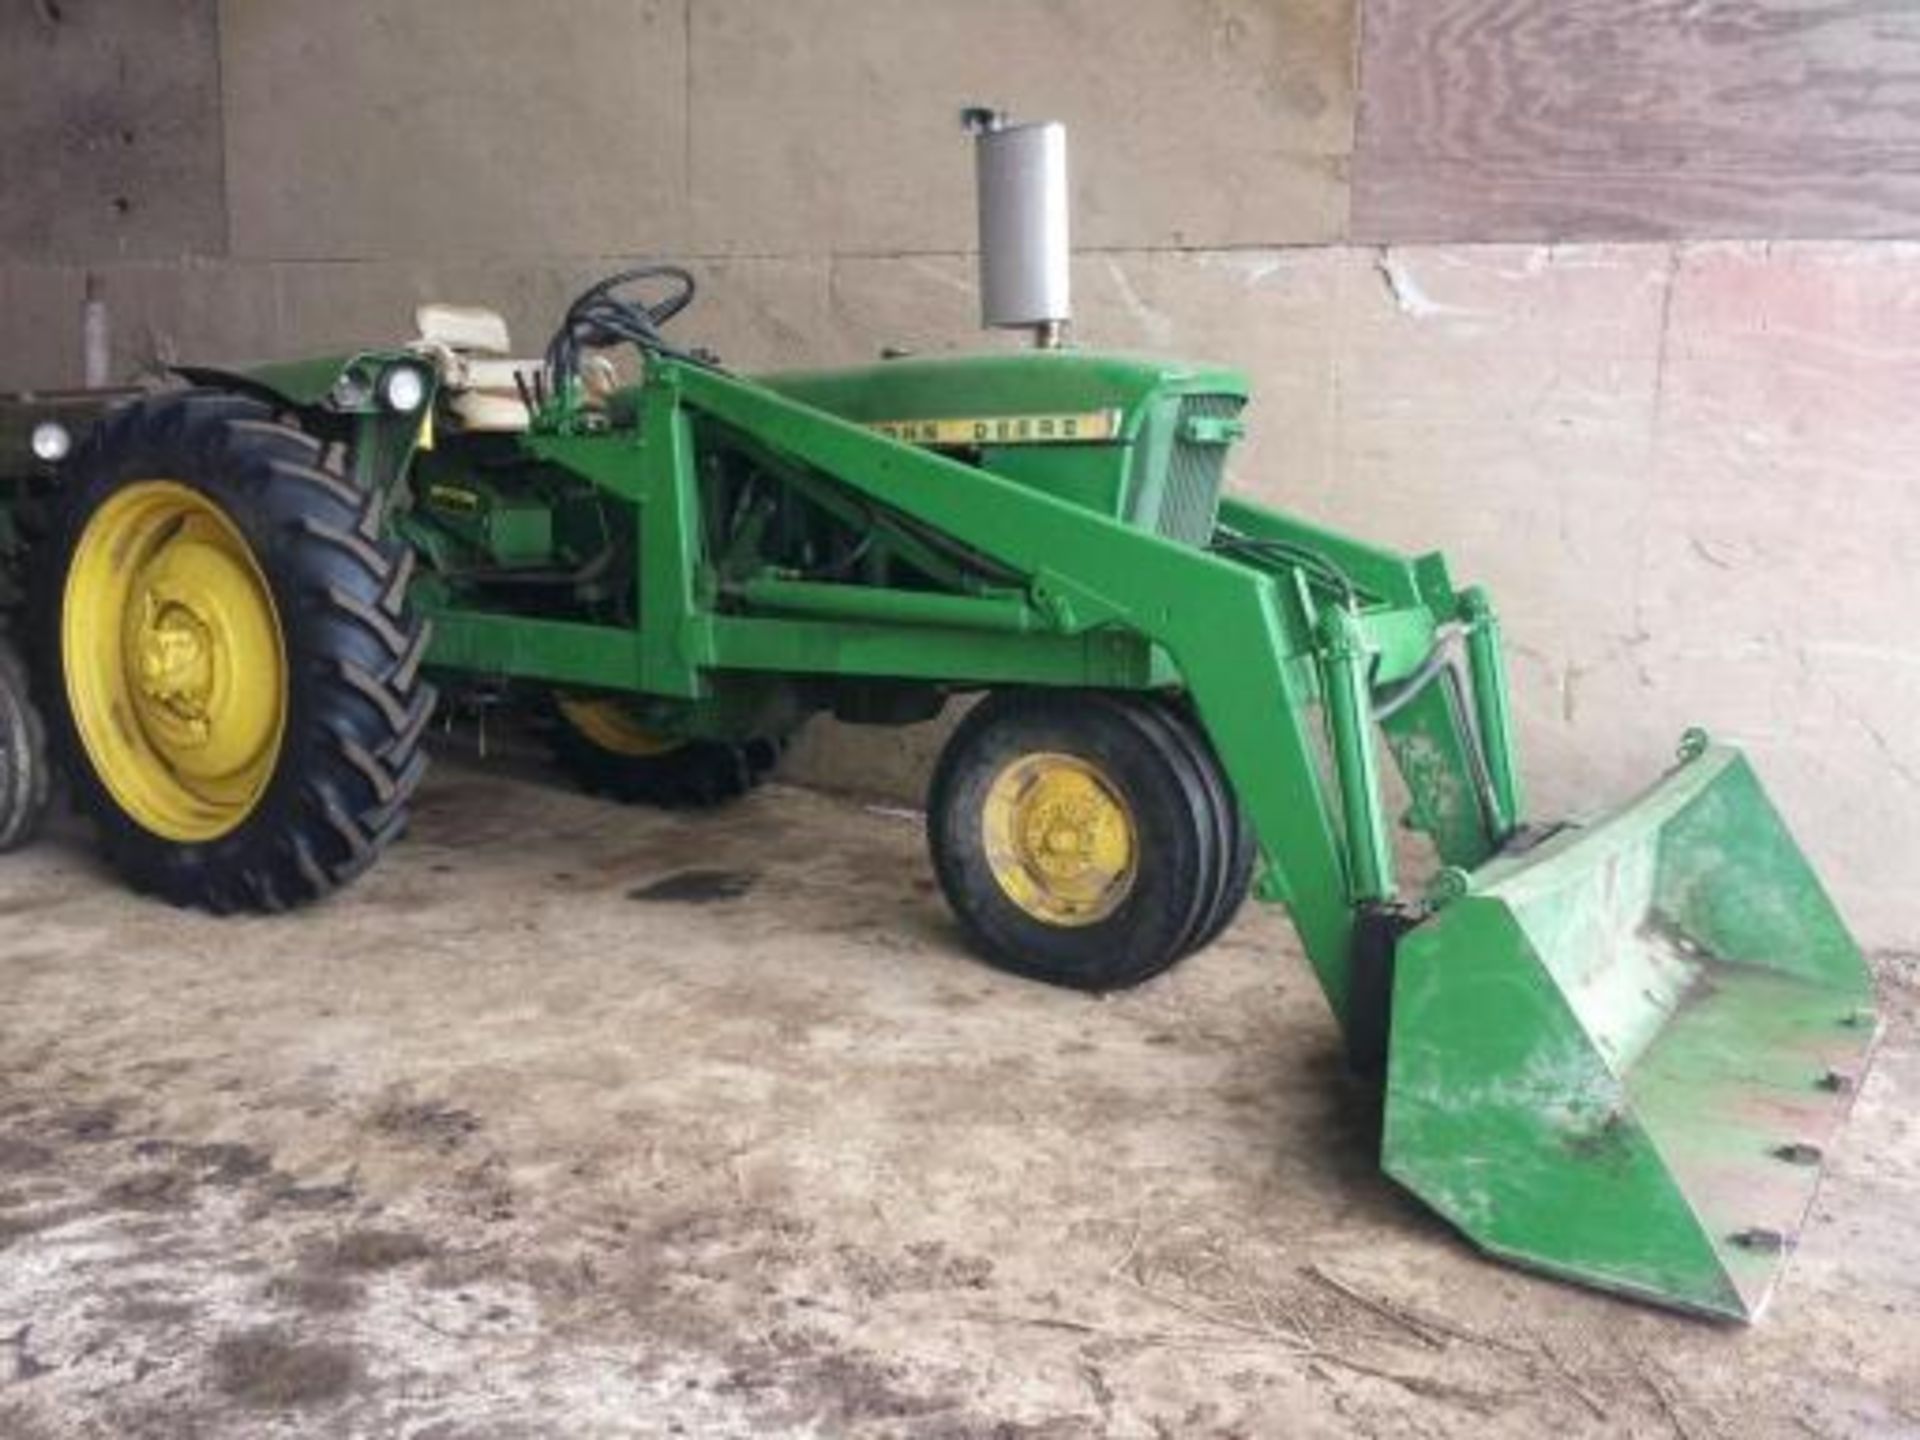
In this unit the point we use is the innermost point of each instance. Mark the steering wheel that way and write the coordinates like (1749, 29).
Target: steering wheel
(680, 290)
(599, 318)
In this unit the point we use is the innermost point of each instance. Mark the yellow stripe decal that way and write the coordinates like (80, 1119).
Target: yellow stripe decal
(453, 497)
(1094, 425)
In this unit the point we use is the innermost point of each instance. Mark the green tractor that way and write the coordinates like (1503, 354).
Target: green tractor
(1615, 1051)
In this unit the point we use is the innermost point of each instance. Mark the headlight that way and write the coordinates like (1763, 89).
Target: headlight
(51, 441)
(403, 388)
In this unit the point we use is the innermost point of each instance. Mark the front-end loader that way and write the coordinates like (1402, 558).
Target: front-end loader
(1616, 1051)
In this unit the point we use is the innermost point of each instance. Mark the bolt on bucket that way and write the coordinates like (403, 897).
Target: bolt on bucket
(1622, 1057)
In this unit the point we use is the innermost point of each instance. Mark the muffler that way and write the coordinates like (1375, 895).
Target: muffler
(1025, 241)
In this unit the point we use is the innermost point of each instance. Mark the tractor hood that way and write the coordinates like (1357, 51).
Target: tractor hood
(982, 390)
(1141, 440)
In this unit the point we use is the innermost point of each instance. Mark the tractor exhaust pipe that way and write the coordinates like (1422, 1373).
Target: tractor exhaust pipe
(1021, 171)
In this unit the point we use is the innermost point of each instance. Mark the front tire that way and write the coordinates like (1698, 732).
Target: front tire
(1074, 838)
(1238, 844)
(228, 658)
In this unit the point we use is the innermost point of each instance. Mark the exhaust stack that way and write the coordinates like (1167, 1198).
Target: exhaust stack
(1021, 173)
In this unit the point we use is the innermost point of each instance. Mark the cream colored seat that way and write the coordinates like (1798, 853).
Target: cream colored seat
(470, 348)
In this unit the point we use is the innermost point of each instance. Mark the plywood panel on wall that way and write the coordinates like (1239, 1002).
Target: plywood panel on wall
(831, 125)
(109, 130)
(1620, 119)
(363, 129)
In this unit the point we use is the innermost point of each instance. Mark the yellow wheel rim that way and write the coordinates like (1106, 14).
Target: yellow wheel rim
(611, 726)
(1060, 839)
(175, 664)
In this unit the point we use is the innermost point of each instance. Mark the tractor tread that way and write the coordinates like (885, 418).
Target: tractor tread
(350, 500)
(406, 672)
(379, 779)
(1202, 793)
(362, 550)
(1240, 851)
(262, 893)
(307, 864)
(391, 635)
(408, 737)
(24, 768)
(378, 693)
(352, 838)
(393, 600)
(405, 781)
(371, 517)
(280, 433)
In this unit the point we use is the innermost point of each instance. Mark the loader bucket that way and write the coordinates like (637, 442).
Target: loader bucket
(1622, 1057)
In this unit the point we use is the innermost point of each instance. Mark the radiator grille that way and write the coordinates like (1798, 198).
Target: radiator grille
(1192, 495)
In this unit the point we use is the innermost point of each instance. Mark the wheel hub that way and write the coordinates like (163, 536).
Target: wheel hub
(175, 658)
(1060, 838)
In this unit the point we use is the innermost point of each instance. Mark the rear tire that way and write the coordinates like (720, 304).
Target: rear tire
(308, 625)
(1074, 838)
(607, 753)
(24, 767)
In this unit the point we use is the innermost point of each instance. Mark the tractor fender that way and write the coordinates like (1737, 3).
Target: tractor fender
(238, 382)
(320, 382)
(325, 392)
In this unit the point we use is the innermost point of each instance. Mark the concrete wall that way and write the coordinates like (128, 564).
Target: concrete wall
(1677, 447)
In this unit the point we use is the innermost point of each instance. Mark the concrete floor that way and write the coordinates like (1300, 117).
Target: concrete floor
(533, 1133)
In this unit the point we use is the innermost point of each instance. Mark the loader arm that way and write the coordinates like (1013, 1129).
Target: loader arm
(1101, 602)
(1245, 643)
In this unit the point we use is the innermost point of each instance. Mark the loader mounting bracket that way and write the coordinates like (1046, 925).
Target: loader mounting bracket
(1378, 928)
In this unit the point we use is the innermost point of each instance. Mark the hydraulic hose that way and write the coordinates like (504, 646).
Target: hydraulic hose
(1395, 698)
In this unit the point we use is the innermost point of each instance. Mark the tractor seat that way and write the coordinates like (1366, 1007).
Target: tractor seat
(470, 349)
(472, 352)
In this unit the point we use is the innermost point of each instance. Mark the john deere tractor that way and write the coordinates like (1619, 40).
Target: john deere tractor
(1613, 1050)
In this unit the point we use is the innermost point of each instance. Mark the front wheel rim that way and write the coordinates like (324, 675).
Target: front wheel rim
(174, 661)
(1060, 839)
